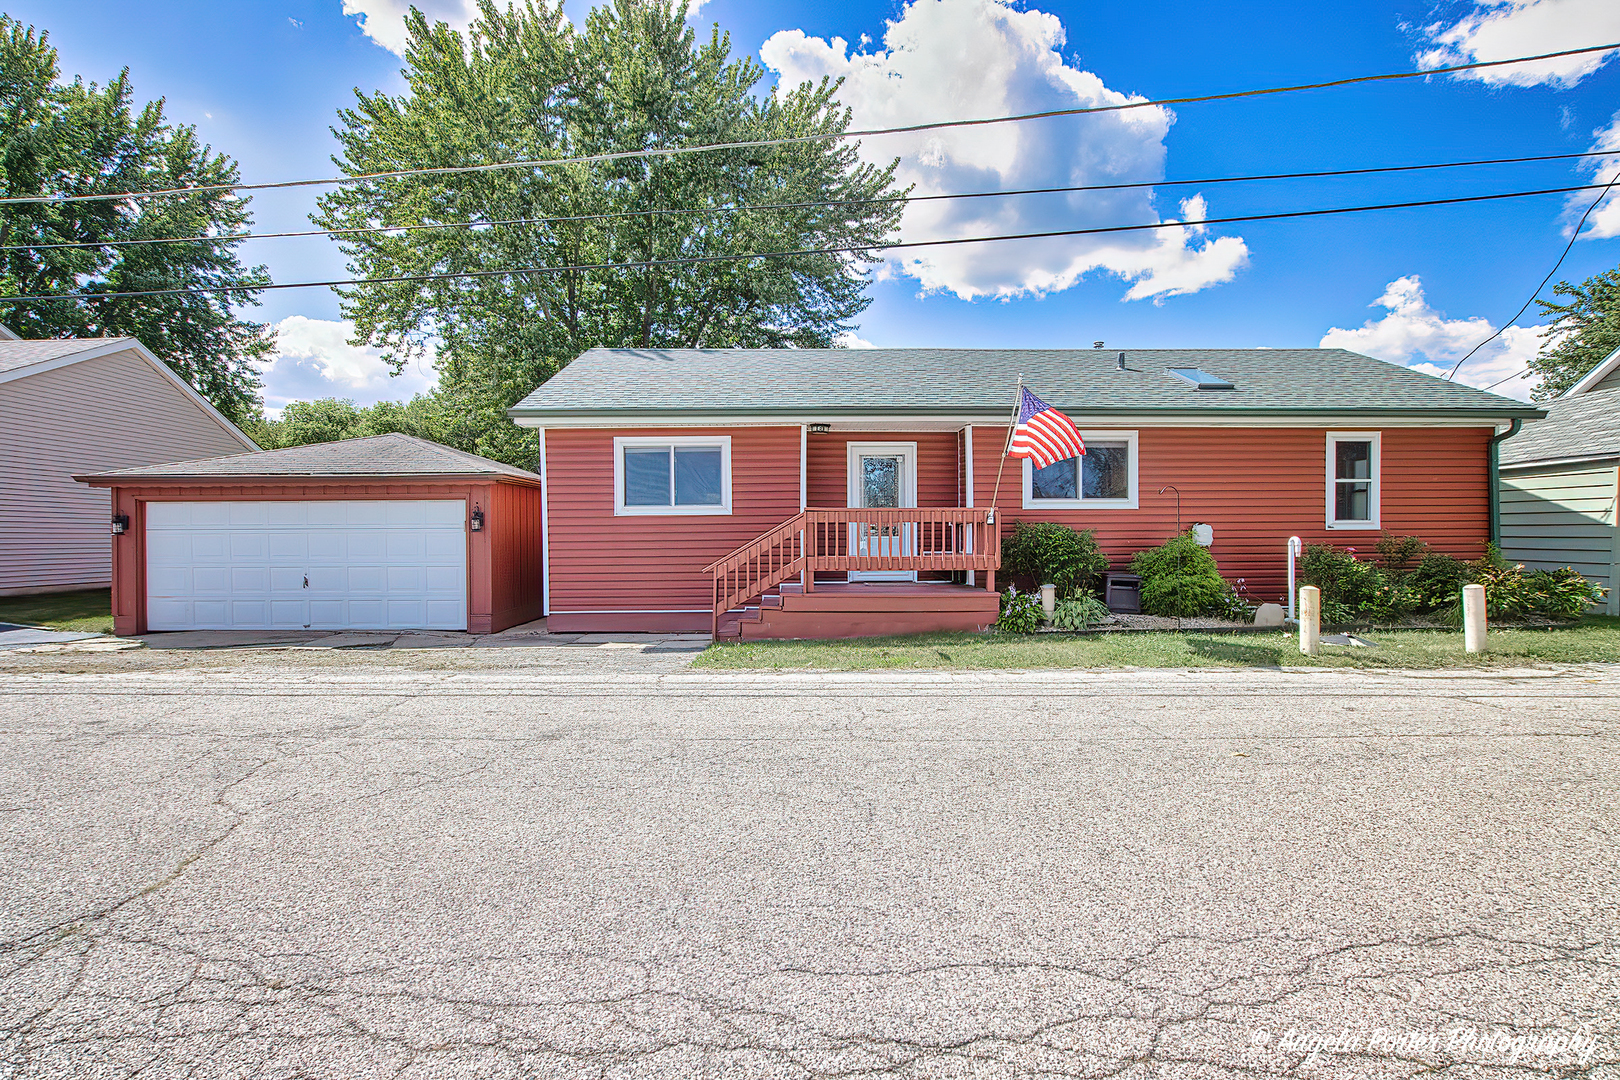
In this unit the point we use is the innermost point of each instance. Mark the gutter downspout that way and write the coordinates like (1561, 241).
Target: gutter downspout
(1496, 479)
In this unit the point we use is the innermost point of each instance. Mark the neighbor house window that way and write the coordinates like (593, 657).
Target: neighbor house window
(1104, 478)
(1352, 479)
(680, 475)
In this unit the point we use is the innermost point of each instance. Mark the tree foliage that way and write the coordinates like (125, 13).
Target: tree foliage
(1584, 330)
(78, 138)
(525, 84)
(331, 419)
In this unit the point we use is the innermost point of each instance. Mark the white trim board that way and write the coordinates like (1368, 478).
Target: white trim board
(1100, 436)
(1375, 479)
(545, 529)
(632, 442)
(1595, 376)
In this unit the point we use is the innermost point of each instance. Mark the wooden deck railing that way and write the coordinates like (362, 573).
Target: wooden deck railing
(848, 538)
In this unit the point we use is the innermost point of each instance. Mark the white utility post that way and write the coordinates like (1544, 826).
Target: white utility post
(1049, 602)
(1310, 620)
(1294, 548)
(1473, 600)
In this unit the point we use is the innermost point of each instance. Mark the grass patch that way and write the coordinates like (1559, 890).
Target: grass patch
(88, 612)
(1594, 640)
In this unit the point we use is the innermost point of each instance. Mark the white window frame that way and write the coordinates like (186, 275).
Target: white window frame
(621, 443)
(1375, 494)
(1129, 438)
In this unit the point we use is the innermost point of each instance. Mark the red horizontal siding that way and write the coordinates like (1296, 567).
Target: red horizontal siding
(1258, 486)
(828, 456)
(600, 562)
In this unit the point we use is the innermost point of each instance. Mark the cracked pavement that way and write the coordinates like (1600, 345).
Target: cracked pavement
(267, 867)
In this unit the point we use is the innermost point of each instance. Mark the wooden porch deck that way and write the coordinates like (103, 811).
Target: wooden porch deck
(840, 609)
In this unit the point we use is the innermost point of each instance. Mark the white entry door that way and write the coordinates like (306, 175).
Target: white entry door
(338, 565)
(882, 475)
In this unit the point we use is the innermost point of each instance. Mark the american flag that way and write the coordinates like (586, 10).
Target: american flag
(1043, 434)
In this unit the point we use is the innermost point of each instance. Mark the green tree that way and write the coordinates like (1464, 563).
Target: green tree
(331, 419)
(524, 84)
(61, 139)
(1584, 330)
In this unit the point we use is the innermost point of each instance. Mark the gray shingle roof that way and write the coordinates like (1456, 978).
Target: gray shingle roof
(378, 455)
(1584, 426)
(21, 354)
(609, 382)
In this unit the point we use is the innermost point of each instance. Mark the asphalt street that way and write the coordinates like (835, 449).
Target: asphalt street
(283, 869)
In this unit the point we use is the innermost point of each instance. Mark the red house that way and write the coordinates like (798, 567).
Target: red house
(796, 493)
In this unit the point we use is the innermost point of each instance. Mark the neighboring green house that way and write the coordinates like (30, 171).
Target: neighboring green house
(1560, 484)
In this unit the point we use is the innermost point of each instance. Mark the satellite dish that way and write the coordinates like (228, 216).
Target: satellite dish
(1203, 535)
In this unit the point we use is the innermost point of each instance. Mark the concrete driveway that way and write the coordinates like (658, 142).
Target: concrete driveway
(289, 869)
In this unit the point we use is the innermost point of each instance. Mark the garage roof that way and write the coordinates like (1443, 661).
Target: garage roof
(1583, 427)
(378, 455)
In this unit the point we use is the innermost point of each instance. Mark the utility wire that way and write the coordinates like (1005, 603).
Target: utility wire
(752, 144)
(1573, 236)
(359, 230)
(846, 250)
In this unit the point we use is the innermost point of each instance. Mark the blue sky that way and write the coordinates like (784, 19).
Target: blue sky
(262, 81)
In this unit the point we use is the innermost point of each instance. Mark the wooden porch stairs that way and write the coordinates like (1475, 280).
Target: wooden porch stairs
(838, 609)
(767, 588)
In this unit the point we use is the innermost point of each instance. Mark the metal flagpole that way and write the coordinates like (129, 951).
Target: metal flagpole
(1018, 401)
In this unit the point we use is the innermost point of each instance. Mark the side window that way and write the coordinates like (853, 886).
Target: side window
(689, 475)
(1353, 480)
(1104, 477)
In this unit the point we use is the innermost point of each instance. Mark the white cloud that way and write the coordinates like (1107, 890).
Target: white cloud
(315, 360)
(383, 21)
(849, 340)
(1503, 29)
(1415, 335)
(1605, 220)
(968, 58)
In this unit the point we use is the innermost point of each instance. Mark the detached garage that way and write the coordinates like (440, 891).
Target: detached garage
(385, 533)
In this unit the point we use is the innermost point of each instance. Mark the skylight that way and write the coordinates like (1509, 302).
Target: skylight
(1201, 379)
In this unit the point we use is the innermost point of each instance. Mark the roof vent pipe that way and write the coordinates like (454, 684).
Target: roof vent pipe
(1097, 344)
(1121, 361)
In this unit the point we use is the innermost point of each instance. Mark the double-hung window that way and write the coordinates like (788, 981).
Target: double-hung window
(1352, 479)
(687, 474)
(1103, 478)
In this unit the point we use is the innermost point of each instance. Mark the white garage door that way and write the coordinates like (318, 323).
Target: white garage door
(322, 565)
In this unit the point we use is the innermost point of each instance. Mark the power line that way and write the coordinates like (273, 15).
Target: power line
(755, 144)
(1573, 236)
(359, 230)
(846, 250)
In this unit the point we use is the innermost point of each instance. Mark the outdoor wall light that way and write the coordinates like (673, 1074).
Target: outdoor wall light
(820, 429)
(477, 519)
(120, 524)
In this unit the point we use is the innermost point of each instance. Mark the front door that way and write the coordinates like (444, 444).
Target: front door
(882, 475)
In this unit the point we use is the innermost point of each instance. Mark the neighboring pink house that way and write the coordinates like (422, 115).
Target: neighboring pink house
(85, 405)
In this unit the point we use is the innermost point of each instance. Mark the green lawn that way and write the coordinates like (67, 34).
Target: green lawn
(1596, 640)
(87, 612)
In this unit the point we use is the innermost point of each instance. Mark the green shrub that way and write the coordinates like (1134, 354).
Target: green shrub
(1020, 613)
(1232, 606)
(1563, 593)
(1344, 579)
(1336, 614)
(1079, 613)
(1179, 578)
(1396, 553)
(1055, 555)
(1437, 582)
